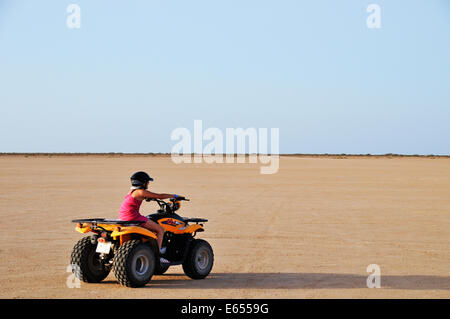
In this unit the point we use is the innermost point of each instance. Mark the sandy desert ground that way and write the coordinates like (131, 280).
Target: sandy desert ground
(309, 231)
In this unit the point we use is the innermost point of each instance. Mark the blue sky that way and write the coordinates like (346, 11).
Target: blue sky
(136, 70)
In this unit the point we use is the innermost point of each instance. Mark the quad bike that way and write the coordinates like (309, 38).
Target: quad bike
(131, 251)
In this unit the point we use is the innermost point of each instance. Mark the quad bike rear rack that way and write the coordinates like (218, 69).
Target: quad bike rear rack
(128, 222)
(105, 221)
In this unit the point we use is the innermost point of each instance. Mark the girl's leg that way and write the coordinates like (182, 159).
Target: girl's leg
(154, 227)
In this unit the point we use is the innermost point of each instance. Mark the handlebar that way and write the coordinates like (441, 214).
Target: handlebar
(171, 207)
(172, 200)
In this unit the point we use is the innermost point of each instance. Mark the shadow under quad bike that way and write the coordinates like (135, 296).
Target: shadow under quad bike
(131, 251)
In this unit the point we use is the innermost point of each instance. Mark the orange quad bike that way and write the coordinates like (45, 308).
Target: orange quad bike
(131, 251)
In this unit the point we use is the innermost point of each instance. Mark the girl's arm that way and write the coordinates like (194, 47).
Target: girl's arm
(141, 194)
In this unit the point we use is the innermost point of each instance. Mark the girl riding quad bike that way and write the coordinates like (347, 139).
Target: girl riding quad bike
(129, 210)
(134, 252)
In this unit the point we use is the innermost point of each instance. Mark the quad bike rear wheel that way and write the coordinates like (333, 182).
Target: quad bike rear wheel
(134, 263)
(200, 259)
(86, 263)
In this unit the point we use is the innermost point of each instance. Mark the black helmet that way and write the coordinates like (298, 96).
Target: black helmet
(139, 179)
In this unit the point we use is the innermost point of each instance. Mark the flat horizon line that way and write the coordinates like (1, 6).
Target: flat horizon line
(221, 154)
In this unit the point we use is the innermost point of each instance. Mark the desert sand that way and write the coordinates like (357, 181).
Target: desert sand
(309, 231)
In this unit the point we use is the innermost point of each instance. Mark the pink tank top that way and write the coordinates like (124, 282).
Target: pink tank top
(129, 210)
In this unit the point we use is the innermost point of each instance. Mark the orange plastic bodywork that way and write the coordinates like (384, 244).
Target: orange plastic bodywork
(118, 231)
(82, 229)
(177, 226)
(124, 232)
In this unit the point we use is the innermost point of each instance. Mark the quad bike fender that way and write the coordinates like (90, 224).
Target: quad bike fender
(82, 229)
(123, 231)
(178, 227)
(193, 228)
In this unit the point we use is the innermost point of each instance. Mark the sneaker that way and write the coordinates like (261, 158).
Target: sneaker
(164, 261)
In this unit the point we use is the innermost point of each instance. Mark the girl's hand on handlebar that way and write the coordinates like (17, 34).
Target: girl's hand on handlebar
(178, 197)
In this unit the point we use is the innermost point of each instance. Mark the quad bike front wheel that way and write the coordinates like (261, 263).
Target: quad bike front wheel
(134, 263)
(200, 259)
(86, 262)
